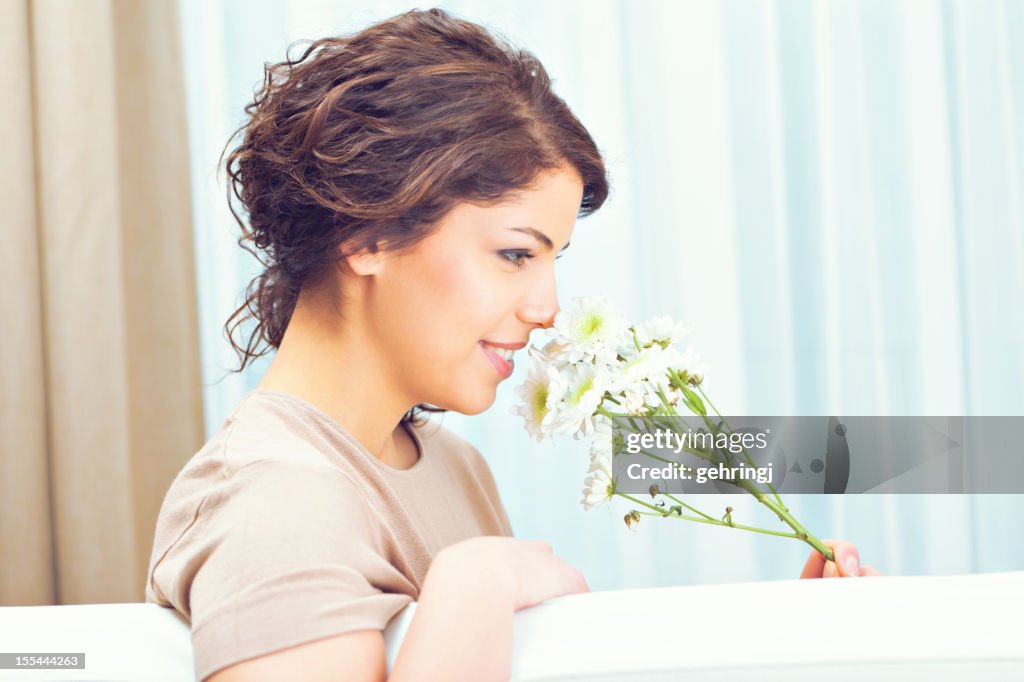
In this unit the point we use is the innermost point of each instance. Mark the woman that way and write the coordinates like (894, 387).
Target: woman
(408, 189)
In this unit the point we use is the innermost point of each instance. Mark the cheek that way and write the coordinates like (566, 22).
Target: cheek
(441, 309)
(447, 305)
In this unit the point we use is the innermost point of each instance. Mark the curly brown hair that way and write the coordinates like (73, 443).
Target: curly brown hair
(365, 141)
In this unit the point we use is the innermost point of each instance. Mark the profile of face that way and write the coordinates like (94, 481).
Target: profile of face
(485, 275)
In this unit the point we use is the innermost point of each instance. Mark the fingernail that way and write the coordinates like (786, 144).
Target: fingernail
(852, 566)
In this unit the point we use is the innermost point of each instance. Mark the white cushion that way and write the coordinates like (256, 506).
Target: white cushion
(909, 628)
(121, 642)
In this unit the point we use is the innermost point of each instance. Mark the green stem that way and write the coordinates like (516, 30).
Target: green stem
(713, 522)
(672, 497)
(731, 431)
(776, 505)
(783, 513)
(681, 503)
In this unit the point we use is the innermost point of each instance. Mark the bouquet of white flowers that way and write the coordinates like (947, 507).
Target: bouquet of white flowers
(596, 371)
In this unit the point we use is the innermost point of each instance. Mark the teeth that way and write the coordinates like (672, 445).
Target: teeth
(503, 353)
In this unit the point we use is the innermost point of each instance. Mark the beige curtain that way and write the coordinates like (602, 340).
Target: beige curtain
(100, 400)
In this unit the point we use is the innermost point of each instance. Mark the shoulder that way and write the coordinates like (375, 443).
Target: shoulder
(261, 489)
(252, 515)
(263, 457)
(277, 490)
(294, 554)
(267, 426)
(271, 501)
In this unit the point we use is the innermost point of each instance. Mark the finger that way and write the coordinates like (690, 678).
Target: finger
(830, 570)
(847, 560)
(813, 567)
(869, 572)
(577, 584)
(586, 585)
(816, 562)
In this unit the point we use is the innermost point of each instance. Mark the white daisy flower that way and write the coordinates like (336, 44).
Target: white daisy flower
(585, 387)
(650, 364)
(660, 329)
(634, 399)
(691, 362)
(637, 379)
(555, 352)
(592, 328)
(542, 390)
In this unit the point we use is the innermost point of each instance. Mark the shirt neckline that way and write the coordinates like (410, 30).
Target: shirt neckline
(347, 435)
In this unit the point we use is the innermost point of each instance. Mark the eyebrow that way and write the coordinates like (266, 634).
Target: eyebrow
(540, 236)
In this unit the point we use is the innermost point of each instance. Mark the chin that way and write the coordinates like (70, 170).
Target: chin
(469, 404)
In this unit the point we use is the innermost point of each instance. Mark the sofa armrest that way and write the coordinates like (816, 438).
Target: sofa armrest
(932, 628)
(121, 642)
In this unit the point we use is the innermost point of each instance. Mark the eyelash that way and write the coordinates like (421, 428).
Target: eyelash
(515, 258)
(518, 253)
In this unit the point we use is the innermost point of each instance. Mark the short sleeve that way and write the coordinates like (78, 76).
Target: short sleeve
(291, 554)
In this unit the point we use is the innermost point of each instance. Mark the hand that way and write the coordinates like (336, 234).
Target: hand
(846, 565)
(527, 569)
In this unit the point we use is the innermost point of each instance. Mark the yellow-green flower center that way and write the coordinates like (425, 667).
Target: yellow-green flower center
(577, 395)
(539, 403)
(590, 325)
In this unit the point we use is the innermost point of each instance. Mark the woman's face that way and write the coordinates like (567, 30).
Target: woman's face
(485, 275)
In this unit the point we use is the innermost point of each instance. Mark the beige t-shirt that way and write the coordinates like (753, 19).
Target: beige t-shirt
(284, 529)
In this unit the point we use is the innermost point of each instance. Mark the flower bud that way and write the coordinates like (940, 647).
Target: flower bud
(618, 443)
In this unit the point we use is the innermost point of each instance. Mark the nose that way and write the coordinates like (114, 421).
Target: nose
(540, 305)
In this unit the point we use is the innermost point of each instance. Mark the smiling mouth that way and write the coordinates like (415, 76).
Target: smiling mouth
(500, 358)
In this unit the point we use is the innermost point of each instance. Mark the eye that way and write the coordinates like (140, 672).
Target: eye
(518, 257)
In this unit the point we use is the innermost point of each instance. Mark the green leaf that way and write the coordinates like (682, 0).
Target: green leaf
(694, 402)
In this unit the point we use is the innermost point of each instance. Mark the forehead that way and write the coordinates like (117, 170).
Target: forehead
(550, 206)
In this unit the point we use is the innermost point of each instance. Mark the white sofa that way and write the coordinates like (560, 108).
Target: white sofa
(893, 628)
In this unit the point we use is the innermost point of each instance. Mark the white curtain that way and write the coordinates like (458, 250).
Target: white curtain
(829, 193)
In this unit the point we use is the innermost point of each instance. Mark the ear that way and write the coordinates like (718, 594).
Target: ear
(364, 262)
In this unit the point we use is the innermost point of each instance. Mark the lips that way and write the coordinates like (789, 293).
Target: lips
(502, 365)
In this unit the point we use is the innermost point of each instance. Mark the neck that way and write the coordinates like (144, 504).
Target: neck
(337, 368)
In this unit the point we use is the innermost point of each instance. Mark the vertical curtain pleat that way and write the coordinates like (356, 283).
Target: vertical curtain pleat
(86, 345)
(26, 547)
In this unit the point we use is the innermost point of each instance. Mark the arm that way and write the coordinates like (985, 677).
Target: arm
(462, 628)
(356, 656)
